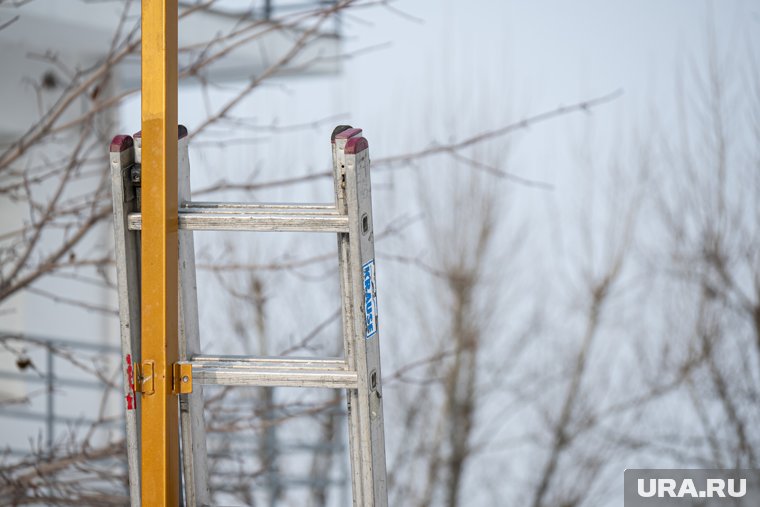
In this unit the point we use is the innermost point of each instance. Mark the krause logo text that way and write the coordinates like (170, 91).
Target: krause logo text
(370, 298)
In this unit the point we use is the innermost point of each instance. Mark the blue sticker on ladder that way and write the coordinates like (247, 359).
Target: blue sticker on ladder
(370, 299)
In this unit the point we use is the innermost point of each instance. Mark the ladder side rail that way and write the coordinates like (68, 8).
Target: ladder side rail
(340, 136)
(192, 424)
(127, 251)
(338, 140)
(367, 346)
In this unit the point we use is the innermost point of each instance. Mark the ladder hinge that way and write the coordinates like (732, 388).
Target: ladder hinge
(182, 378)
(145, 377)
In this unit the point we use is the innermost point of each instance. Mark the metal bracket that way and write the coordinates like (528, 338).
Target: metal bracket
(129, 188)
(182, 378)
(135, 174)
(145, 378)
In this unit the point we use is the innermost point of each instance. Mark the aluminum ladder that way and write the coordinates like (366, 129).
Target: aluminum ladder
(358, 371)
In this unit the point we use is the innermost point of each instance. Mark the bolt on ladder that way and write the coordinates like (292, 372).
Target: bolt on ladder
(358, 371)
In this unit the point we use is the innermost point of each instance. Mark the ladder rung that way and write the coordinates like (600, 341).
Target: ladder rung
(272, 371)
(259, 206)
(240, 217)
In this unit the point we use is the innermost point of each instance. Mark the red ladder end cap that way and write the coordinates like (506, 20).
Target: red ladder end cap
(348, 134)
(337, 130)
(120, 143)
(356, 145)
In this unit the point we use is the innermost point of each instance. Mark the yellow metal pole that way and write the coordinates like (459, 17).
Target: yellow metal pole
(160, 428)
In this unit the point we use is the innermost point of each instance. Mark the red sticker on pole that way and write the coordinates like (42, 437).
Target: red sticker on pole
(131, 382)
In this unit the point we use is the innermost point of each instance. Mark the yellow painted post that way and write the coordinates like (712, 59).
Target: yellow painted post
(160, 428)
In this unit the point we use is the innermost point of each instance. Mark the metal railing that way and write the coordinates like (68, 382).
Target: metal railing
(31, 352)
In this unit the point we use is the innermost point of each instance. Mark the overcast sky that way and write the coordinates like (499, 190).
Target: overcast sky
(483, 64)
